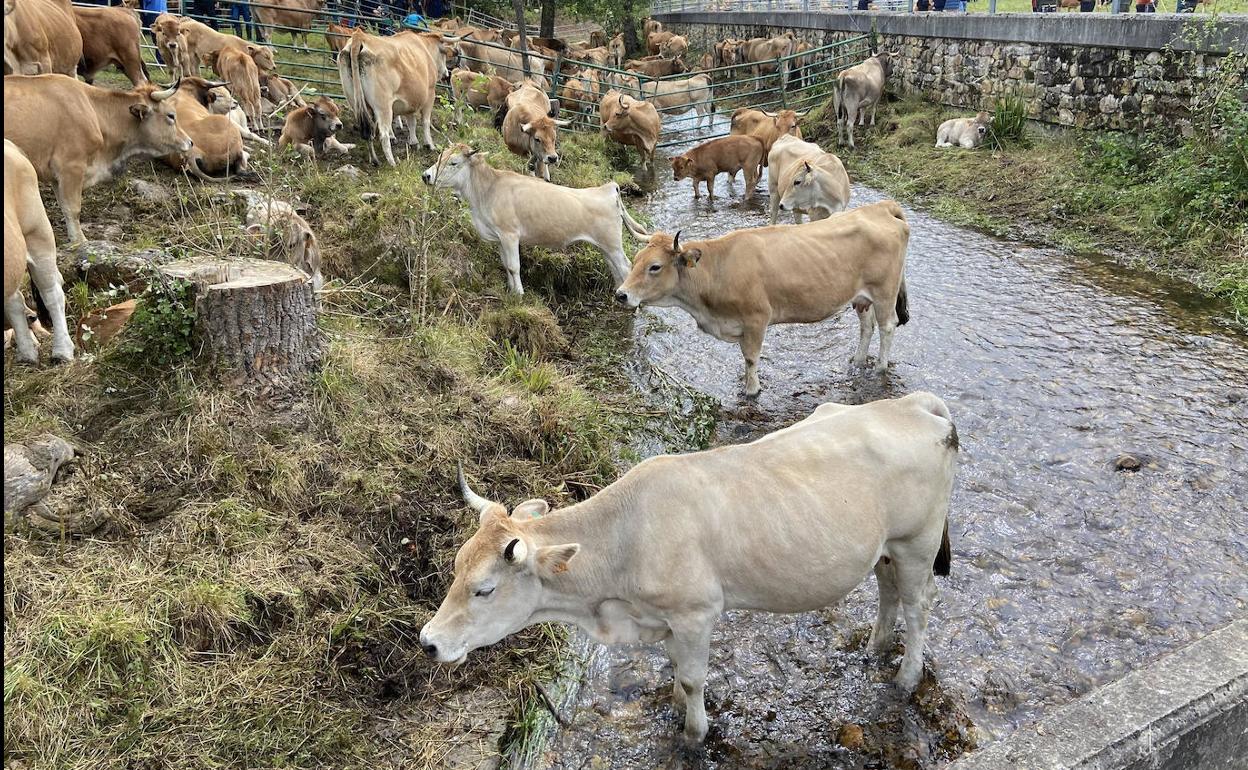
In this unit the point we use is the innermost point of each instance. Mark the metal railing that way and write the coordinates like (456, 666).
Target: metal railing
(661, 7)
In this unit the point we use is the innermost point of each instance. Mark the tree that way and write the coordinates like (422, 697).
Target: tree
(628, 23)
(548, 18)
(522, 28)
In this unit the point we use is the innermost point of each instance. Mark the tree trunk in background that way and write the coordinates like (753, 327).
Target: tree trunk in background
(548, 18)
(629, 23)
(522, 28)
(255, 319)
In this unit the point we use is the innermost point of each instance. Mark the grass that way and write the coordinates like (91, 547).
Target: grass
(265, 563)
(1179, 207)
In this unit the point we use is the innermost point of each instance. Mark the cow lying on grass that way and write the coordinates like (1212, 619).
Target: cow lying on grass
(967, 133)
(737, 285)
(660, 554)
(511, 210)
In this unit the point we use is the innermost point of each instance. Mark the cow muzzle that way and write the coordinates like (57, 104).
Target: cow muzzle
(438, 653)
(625, 299)
(427, 177)
(552, 159)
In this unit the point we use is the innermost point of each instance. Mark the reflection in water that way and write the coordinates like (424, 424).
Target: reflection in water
(1066, 573)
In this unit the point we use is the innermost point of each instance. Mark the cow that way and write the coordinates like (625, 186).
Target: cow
(805, 180)
(727, 53)
(630, 122)
(649, 27)
(289, 237)
(799, 67)
(77, 135)
(110, 36)
(657, 66)
(617, 50)
(236, 67)
(336, 36)
(40, 37)
(216, 150)
(664, 551)
(294, 16)
(858, 88)
(600, 56)
(624, 83)
(222, 102)
(529, 130)
(737, 285)
(279, 92)
(504, 62)
(204, 41)
(676, 97)
(766, 127)
(667, 45)
(477, 91)
(763, 53)
(597, 39)
(173, 46)
(512, 210)
(967, 133)
(30, 245)
(310, 129)
(385, 76)
(580, 92)
(727, 154)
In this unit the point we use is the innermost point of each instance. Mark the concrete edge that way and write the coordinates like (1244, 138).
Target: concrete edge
(1179, 32)
(1187, 710)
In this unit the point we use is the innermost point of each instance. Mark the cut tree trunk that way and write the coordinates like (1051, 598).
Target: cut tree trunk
(255, 319)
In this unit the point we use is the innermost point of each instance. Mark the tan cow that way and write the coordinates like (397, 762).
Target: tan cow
(236, 66)
(655, 41)
(580, 92)
(30, 244)
(217, 148)
(77, 135)
(762, 53)
(336, 35)
(514, 210)
(630, 122)
(310, 129)
(661, 553)
(667, 45)
(618, 51)
(800, 67)
(395, 75)
(727, 53)
(110, 36)
(858, 88)
(625, 84)
(477, 91)
(597, 39)
(204, 41)
(967, 133)
(766, 127)
(492, 60)
(222, 102)
(805, 180)
(656, 66)
(737, 285)
(294, 15)
(529, 130)
(676, 97)
(173, 46)
(40, 37)
(281, 93)
(649, 27)
(728, 155)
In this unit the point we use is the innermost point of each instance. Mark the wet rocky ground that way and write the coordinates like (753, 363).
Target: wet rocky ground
(1098, 517)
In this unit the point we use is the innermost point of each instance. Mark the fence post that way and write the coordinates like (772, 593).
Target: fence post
(992, 6)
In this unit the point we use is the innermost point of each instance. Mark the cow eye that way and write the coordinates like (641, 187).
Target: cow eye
(484, 592)
(656, 267)
(797, 182)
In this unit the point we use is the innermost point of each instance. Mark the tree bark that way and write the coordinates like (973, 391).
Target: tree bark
(255, 319)
(523, 31)
(628, 22)
(548, 18)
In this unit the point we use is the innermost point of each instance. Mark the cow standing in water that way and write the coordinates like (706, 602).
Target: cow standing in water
(661, 553)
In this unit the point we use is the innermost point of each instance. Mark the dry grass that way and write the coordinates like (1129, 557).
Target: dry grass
(254, 597)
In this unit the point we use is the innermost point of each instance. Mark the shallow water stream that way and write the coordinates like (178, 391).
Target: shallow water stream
(1067, 572)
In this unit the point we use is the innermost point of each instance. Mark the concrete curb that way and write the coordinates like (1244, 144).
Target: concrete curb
(1187, 711)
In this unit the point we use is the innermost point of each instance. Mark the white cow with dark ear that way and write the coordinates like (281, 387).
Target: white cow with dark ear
(967, 133)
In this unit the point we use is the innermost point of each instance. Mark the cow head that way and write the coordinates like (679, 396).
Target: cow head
(155, 131)
(262, 55)
(786, 123)
(886, 60)
(451, 168)
(325, 119)
(656, 271)
(799, 185)
(682, 167)
(541, 133)
(499, 575)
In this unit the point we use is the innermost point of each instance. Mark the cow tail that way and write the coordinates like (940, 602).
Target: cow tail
(944, 556)
(363, 114)
(634, 227)
(903, 303)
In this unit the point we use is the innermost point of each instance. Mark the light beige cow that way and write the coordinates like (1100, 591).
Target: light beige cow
(967, 133)
(30, 245)
(295, 16)
(763, 53)
(766, 127)
(529, 130)
(512, 210)
(477, 91)
(676, 97)
(805, 180)
(41, 37)
(737, 285)
(174, 47)
(661, 553)
(857, 89)
(630, 122)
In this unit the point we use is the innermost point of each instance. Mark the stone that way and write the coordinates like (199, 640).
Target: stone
(104, 263)
(1127, 462)
(850, 736)
(349, 171)
(148, 192)
(1109, 104)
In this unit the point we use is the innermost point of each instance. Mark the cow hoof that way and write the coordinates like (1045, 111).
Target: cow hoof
(907, 684)
(753, 396)
(880, 369)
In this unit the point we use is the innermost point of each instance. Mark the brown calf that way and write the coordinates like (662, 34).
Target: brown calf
(728, 155)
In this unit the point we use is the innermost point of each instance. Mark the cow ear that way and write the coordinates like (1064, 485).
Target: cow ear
(530, 509)
(553, 559)
(689, 257)
(140, 111)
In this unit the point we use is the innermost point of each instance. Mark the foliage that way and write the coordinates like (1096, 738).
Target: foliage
(161, 331)
(1009, 122)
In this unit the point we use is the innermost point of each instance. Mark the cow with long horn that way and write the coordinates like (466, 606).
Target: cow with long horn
(77, 135)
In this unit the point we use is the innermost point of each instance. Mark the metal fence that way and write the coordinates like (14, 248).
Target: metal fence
(660, 7)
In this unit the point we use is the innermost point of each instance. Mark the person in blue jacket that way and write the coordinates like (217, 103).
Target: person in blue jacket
(148, 11)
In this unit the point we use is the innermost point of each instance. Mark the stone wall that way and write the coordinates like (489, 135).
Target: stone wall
(1125, 74)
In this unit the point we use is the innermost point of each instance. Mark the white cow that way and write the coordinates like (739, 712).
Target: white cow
(789, 523)
(805, 180)
(967, 133)
(513, 210)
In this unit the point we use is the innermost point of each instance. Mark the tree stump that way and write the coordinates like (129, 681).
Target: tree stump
(255, 319)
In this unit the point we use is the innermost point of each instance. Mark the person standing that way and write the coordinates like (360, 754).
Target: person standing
(240, 11)
(148, 11)
(205, 11)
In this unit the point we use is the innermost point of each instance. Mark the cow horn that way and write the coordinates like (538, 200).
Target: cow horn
(160, 96)
(676, 242)
(217, 83)
(563, 123)
(475, 501)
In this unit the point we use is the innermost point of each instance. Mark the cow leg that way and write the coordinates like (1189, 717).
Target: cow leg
(710, 188)
(918, 592)
(886, 317)
(882, 636)
(426, 120)
(15, 313)
(509, 250)
(866, 327)
(69, 196)
(751, 347)
(690, 648)
(44, 275)
(385, 132)
(851, 114)
(697, 191)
